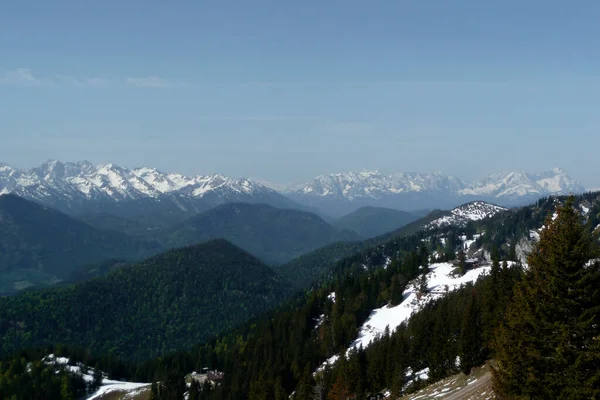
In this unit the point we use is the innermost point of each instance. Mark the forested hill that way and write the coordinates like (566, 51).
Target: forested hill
(272, 234)
(277, 353)
(40, 245)
(313, 267)
(165, 303)
(272, 358)
(370, 222)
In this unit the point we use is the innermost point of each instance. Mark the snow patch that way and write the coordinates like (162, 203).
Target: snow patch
(440, 281)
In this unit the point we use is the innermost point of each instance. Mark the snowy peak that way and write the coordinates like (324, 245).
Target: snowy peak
(460, 216)
(373, 184)
(518, 184)
(477, 210)
(82, 180)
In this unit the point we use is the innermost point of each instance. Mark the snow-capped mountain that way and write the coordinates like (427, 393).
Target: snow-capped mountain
(69, 185)
(75, 187)
(373, 184)
(411, 191)
(518, 184)
(474, 211)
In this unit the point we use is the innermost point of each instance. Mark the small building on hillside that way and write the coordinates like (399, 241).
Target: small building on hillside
(470, 263)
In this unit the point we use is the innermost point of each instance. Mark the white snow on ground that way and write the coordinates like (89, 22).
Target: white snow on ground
(107, 386)
(440, 281)
(423, 374)
(477, 210)
(320, 321)
(331, 296)
(534, 235)
(467, 244)
(388, 261)
(474, 211)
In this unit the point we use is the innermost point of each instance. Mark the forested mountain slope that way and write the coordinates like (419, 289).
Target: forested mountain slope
(370, 222)
(168, 302)
(277, 353)
(314, 266)
(272, 234)
(39, 245)
(447, 335)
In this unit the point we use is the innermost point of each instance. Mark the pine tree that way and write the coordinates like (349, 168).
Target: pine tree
(548, 347)
(194, 391)
(66, 392)
(424, 256)
(422, 284)
(469, 342)
(495, 271)
(97, 380)
(462, 266)
(279, 390)
(338, 391)
(153, 391)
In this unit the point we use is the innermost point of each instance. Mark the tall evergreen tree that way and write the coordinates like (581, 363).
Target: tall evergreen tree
(470, 341)
(548, 347)
(462, 259)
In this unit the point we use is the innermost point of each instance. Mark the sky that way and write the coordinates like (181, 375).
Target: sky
(286, 90)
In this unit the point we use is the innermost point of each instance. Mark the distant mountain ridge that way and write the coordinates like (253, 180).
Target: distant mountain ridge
(83, 188)
(39, 245)
(372, 221)
(272, 234)
(462, 215)
(79, 187)
(410, 191)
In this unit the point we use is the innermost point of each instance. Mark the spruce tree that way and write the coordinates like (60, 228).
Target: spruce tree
(422, 284)
(548, 347)
(462, 258)
(469, 342)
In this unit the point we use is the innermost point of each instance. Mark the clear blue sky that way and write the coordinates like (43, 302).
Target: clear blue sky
(285, 90)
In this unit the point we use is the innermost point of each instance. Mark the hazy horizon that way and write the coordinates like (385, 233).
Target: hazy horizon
(286, 92)
(292, 183)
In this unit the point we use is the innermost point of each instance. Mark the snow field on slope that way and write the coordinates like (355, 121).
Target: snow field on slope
(108, 385)
(440, 281)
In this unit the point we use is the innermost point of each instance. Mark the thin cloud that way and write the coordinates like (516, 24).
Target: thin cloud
(155, 82)
(23, 77)
(83, 83)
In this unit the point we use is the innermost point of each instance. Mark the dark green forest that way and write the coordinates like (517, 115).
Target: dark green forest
(40, 245)
(272, 234)
(277, 352)
(166, 303)
(370, 222)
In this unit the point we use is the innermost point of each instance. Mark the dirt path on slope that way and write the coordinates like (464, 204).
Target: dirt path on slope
(475, 390)
(476, 386)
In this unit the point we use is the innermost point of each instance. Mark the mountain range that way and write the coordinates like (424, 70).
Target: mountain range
(82, 188)
(274, 235)
(342, 193)
(39, 245)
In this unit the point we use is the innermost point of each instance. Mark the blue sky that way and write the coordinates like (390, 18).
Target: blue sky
(284, 90)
